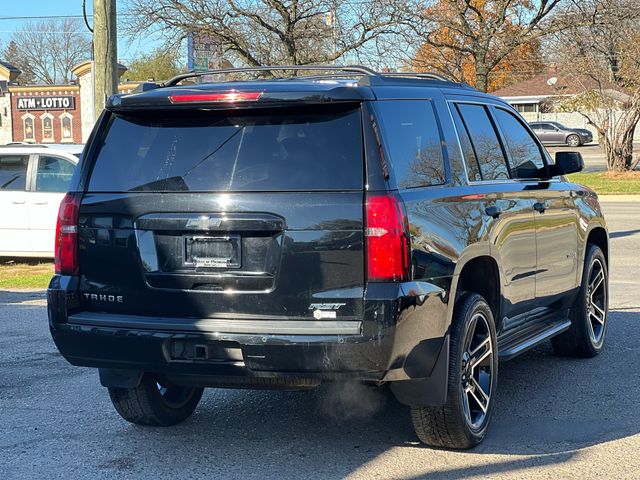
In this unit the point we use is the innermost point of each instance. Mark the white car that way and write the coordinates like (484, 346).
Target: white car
(33, 180)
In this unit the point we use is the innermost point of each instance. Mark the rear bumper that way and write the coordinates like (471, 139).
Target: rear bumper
(391, 343)
(224, 354)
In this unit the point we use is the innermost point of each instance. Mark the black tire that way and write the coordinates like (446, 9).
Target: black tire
(152, 404)
(585, 337)
(448, 426)
(573, 141)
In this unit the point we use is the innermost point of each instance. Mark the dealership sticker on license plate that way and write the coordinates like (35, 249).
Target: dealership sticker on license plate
(212, 252)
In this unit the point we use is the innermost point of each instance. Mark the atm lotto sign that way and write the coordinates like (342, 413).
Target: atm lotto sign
(46, 103)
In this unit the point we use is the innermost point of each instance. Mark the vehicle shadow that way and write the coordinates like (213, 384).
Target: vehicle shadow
(626, 233)
(563, 404)
(547, 408)
(21, 296)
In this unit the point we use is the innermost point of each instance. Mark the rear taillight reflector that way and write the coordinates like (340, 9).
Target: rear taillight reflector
(222, 97)
(387, 239)
(66, 245)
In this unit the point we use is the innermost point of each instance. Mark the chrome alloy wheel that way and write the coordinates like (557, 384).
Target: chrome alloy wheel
(573, 141)
(477, 371)
(597, 301)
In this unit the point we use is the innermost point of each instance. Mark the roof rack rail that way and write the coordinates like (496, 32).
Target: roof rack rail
(354, 69)
(426, 75)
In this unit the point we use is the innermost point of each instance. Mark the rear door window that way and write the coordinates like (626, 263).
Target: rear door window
(525, 157)
(469, 155)
(484, 139)
(413, 140)
(231, 151)
(13, 172)
(53, 174)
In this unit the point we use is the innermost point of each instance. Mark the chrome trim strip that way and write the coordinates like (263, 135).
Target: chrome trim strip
(212, 325)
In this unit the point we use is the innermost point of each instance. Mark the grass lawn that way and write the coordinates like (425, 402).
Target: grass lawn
(609, 183)
(18, 273)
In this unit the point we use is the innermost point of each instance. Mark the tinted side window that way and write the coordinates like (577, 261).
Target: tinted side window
(470, 160)
(13, 172)
(525, 158)
(410, 130)
(261, 150)
(484, 139)
(54, 174)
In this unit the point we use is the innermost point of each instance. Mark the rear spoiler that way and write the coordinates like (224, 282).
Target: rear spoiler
(224, 97)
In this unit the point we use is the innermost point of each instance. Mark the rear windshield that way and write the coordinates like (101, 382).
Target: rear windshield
(232, 151)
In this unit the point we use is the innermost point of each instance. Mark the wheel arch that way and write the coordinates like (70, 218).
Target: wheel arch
(480, 275)
(598, 236)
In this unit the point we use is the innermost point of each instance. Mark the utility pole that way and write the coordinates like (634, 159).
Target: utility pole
(105, 52)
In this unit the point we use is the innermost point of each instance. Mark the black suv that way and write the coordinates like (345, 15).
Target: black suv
(383, 228)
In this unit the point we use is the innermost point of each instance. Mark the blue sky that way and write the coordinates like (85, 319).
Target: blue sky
(15, 8)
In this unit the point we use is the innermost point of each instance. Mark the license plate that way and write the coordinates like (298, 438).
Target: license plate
(212, 252)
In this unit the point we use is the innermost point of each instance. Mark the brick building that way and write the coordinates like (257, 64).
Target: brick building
(49, 113)
(8, 75)
(46, 114)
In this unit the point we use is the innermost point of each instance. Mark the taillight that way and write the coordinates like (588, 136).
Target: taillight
(66, 249)
(223, 97)
(387, 239)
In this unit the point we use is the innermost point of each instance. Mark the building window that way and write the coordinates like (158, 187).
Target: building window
(526, 107)
(29, 128)
(67, 127)
(47, 127)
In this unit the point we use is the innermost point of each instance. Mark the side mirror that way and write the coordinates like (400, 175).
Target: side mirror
(567, 162)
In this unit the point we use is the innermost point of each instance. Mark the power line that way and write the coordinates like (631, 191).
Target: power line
(37, 17)
(43, 31)
(53, 17)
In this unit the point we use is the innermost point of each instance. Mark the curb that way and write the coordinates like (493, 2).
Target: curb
(619, 198)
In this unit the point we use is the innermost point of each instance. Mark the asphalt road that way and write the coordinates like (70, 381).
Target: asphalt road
(592, 154)
(554, 418)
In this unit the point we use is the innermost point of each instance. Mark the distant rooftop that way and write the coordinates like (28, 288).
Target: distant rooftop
(554, 83)
(9, 67)
(8, 72)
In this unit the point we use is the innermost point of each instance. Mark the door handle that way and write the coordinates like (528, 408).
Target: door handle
(493, 211)
(18, 202)
(41, 203)
(539, 207)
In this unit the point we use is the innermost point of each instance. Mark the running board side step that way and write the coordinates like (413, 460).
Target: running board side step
(520, 345)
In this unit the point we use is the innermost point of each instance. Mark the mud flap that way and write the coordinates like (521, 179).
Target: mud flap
(431, 390)
(119, 378)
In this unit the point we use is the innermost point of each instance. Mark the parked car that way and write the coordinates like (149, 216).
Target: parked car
(554, 133)
(33, 181)
(74, 149)
(381, 228)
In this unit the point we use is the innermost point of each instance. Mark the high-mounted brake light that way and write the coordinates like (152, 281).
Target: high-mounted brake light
(221, 97)
(387, 239)
(66, 245)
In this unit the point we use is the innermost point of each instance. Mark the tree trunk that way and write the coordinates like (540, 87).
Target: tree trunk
(482, 77)
(619, 148)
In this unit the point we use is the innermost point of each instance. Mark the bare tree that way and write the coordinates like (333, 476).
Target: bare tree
(263, 32)
(487, 31)
(46, 51)
(603, 56)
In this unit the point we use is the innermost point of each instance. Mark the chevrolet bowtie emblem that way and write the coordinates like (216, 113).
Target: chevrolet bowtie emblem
(204, 222)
